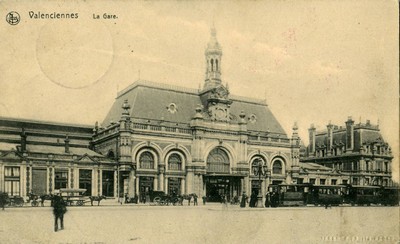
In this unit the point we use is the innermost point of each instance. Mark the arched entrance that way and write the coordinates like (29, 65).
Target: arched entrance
(218, 181)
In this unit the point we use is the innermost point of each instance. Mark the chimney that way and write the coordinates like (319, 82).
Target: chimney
(66, 144)
(350, 133)
(23, 140)
(311, 134)
(330, 138)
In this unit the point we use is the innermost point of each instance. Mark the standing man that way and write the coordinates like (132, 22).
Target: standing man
(3, 199)
(243, 200)
(59, 209)
(195, 200)
(204, 200)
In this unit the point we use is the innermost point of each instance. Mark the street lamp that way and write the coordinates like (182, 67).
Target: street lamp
(259, 169)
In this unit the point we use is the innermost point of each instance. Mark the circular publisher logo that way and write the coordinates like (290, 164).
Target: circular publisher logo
(13, 18)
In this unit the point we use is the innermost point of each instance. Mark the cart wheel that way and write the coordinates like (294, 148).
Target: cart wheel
(35, 203)
(79, 203)
(157, 200)
(20, 204)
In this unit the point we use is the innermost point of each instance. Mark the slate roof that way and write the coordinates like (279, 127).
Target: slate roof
(61, 150)
(314, 167)
(149, 100)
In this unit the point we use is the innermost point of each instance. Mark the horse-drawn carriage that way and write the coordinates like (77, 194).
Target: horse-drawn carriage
(160, 198)
(74, 197)
(10, 201)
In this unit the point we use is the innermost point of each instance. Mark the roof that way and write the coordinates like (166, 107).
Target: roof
(149, 100)
(314, 166)
(61, 150)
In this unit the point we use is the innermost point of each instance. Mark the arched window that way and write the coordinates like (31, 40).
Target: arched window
(110, 154)
(218, 161)
(216, 65)
(174, 162)
(212, 64)
(146, 160)
(255, 165)
(277, 167)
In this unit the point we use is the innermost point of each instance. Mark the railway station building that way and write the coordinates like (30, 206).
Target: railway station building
(206, 141)
(156, 137)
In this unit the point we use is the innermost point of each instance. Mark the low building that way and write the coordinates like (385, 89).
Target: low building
(39, 157)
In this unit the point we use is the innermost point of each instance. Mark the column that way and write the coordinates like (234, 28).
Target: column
(161, 182)
(166, 184)
(189, 182)
(76, 176)
(116, 185)
(94, 181)
(246, 185)
(200, 180)
(1, 177)
(47, 179)
(183, 182)
(263, 192)
(131, 184)
(155, 183)
(137, 185)
(100, 181)
(70, 177)
(22, 179)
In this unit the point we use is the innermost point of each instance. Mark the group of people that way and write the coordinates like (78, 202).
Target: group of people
(271, 200)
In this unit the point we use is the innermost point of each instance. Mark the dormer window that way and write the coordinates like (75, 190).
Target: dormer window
(253, 118)
(172, 108)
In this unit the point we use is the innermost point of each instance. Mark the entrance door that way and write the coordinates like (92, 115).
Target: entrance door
(108, 183)
(145, 188)
(174, 186)
(219, 186)
(39, 181)
(85, 181)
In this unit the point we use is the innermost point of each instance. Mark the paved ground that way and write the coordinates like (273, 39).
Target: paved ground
(212, 223)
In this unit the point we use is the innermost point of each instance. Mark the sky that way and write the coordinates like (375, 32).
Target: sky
(314, 62)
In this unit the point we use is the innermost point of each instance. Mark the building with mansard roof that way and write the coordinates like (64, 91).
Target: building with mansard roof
(156, 137)
(204, 141)
(356, 152)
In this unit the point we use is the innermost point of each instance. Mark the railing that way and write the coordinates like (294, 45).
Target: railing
(142, 126)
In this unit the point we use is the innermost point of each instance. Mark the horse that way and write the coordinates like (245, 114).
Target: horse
(46, 197)
(185, 197)
(97, 199)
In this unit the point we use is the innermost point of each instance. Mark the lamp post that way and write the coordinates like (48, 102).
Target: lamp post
(259, 170)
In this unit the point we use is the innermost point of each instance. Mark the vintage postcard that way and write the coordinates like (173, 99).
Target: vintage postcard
(199, 121)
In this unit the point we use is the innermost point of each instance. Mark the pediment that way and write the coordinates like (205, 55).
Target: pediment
(11, 155)
(86, 159)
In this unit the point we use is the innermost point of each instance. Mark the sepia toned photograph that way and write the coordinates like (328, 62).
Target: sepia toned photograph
(199, 122)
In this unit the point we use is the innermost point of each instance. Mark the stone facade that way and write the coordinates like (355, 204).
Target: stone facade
(356, 151)
(206, 141)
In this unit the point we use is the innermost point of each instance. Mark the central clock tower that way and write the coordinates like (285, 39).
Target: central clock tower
(215, 96)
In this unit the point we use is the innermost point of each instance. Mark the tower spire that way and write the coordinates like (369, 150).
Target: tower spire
(213, 55)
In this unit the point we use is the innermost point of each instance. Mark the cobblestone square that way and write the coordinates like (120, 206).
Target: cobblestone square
(212, 223)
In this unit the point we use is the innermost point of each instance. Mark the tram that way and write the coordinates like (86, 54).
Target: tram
(286, 195)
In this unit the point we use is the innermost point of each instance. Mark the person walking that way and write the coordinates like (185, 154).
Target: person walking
(59, 209)
(3, 199)
(243, 200)
(204, 200)
(195, 200)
